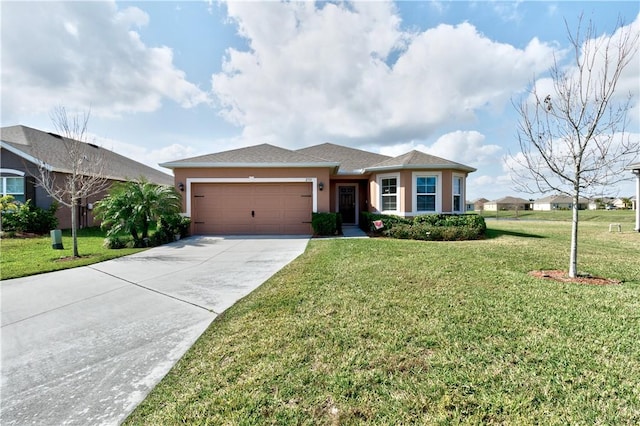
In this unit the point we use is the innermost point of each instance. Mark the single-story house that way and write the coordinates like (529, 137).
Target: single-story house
(478, 205)
(635, 169)
(507, 203)
(23, 148)
(600, 203)
(265, 189)
(622, 203)
(559, 202)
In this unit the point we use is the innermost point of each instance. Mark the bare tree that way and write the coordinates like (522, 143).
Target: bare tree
(573, 135)
(84, 174)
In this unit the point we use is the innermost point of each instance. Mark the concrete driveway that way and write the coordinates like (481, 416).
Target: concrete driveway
(86, 345)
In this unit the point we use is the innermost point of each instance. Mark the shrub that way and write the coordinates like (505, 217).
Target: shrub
(28, 218)
(388, 221)
(114, 242)
(436, 227)
(326, 223)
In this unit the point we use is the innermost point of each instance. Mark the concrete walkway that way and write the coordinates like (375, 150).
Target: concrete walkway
(84, 346)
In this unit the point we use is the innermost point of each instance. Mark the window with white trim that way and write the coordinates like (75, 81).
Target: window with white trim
(389, 192)
(457, 194)
(426, 193)
(13, 185)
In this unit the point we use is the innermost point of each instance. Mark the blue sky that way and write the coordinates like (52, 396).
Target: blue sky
(170, 79)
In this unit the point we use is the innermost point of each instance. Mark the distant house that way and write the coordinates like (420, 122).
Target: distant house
(478, 205)
(23, 148)
(620, 203)
(559, 202)
(507, 203)
(265, 189)
(600, 203)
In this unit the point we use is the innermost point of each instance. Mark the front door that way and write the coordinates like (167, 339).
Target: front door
(347, 203)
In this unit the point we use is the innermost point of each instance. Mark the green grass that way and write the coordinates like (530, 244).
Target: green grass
(28, 256)
(626, 217)
(385, 331)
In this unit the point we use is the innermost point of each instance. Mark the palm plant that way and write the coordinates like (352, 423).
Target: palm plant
(132, 206)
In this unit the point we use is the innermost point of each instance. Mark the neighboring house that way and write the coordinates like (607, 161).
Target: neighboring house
(478, 205)
(265, 189)
(600, 203)
(619, 203)
(507, 203)
(559, 202)
(23, 148)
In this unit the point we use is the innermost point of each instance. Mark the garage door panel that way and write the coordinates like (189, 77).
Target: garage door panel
(279, 208)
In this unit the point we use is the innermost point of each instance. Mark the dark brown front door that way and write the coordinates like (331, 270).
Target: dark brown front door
(347, 203)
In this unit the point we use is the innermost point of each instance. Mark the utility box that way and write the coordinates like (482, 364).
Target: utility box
(56, 239)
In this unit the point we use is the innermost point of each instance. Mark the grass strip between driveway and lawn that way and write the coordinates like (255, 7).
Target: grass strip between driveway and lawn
(383, 331)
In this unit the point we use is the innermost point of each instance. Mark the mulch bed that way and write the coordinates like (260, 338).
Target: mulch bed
(562, 276)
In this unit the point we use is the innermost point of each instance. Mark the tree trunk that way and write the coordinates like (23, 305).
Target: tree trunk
(74, 227)
(573, 257)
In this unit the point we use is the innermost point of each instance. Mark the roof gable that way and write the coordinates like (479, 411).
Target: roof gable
(419, 160)
(351, 160)
(37, 146)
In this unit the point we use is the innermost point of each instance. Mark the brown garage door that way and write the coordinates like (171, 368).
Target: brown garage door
(264, 208)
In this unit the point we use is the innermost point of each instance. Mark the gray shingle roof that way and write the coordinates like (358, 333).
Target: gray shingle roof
(346, 160)
(34, 145)
(416, 159)
(351, 160)
(263, 155)
(510, 200)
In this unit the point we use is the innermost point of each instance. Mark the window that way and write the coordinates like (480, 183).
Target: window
(426, 192)
(457, 194)
(389, 193)
(13, 186)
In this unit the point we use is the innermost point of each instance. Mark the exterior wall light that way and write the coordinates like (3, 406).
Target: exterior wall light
(321, 186)
(181, 187)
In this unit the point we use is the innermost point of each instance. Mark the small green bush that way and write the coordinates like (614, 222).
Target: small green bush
(115, 242)
(28, 218)
(326, 223)
(388, 221)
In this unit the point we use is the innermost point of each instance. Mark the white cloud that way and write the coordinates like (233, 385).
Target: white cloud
(465, 147)
(347, 73)
(85, 54)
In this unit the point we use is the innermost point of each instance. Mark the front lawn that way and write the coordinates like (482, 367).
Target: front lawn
(28, 256)
(384, 331)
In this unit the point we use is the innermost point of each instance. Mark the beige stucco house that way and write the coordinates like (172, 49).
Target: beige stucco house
(559, 202)
(265, 189)
(507, 203)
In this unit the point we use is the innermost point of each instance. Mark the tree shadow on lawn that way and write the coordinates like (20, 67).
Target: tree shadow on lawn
(497, 233)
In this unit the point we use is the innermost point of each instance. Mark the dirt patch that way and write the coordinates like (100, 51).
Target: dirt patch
(71, 258)
(562, 276)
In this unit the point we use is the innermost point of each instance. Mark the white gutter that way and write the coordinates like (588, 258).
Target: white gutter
(28, 157)
(422, 167)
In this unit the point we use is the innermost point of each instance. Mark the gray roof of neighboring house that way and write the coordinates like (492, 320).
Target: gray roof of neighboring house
(510, 200)
(418, 160)
(633, 166)
(351, 160)
(35, 145)
(263, 155)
